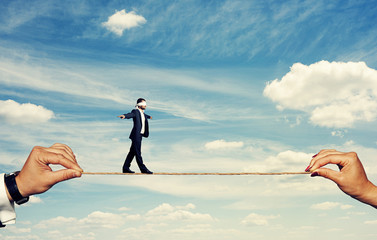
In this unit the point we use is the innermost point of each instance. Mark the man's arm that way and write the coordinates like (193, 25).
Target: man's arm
(127, 115)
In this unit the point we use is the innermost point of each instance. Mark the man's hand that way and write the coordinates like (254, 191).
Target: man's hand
(37, 177)
(121, 116)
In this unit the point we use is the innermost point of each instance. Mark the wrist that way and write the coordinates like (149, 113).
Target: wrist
(12, 189)
(369, 195)
(20, 186)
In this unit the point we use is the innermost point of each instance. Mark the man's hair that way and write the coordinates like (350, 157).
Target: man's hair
(140, 100)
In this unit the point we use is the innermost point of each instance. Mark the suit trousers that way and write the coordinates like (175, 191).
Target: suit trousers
(135, 151)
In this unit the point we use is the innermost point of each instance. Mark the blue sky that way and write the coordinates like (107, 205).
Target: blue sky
(232, 86)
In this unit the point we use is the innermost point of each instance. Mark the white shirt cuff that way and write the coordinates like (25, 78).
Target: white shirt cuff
(7, 213)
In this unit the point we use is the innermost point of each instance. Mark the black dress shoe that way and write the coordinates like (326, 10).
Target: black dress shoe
(127, 170)
(146, 172)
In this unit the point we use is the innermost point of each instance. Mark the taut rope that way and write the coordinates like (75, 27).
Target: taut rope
(210, 173)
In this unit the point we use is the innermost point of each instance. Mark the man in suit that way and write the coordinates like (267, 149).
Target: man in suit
(139, 130)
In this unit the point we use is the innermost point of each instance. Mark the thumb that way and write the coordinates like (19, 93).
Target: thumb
(327, 173)
(64, 174)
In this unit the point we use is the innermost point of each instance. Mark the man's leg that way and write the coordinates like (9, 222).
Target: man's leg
(139, 159)
(129, 158)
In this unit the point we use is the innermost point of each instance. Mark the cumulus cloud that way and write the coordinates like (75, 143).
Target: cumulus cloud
(17, 230)
(121, 20)
(335, 94)
(57, 221)
(288, 157)
(284, 161)
(254, 219)
(222, 144)
(95, 219)
(167, 212)
(162, 218)
(16, 113)
(103, 219)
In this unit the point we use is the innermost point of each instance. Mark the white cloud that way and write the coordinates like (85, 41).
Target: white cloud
(339, 133)
(288, 157)
(121, 20)
(103, 220)
(374, 222)
(330, 205)
(344, 207)
(162, 209)
(57, 221)
(158, 221)
(222, 144)
(325, 205)
(134, 217)
(335, 94)
(16, 230)
(357, 213)
(167, 212)
(123, 209)
(16, 113)
(34, 199)
(254, 219)
(284, 161)
(95, 219)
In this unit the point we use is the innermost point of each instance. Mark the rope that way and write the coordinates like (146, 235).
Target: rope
(213, 173)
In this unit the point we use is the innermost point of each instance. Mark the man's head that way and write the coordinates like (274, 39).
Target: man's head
(141, 103)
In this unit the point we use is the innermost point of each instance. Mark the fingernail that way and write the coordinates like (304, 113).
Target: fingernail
(77, 174)
(315, 155)
(314, 174)
(308, 169)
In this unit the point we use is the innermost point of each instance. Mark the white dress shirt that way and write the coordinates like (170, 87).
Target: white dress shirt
(7, 213)
(142, 121)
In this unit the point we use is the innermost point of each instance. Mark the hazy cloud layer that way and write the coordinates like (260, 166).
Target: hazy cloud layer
(76, 80)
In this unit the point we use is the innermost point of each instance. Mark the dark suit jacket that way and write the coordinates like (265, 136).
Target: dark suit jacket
(136, 116)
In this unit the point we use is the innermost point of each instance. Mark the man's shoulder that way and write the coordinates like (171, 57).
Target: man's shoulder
(136, 112)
